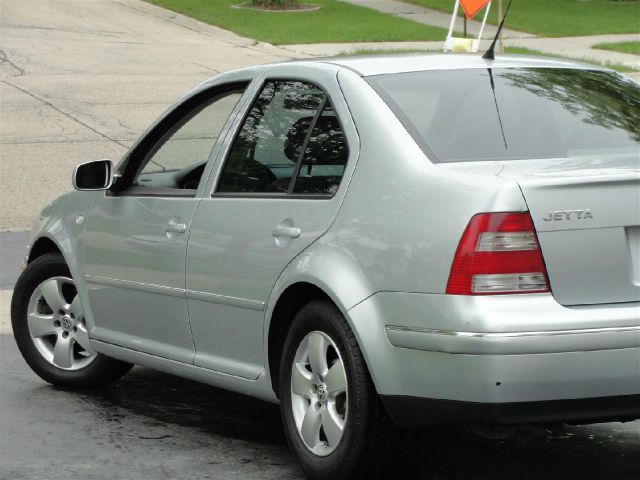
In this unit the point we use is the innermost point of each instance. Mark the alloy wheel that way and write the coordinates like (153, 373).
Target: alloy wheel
(319, 396)
(55, 318)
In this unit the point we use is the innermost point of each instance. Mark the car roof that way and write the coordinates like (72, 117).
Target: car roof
(369, 65)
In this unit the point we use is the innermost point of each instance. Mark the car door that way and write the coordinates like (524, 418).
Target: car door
(278, 187)
(136, 234)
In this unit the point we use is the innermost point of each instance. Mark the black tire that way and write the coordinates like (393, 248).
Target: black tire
(369, 438)
(100, 371)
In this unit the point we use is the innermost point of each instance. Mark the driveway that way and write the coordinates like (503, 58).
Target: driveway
(81, 79)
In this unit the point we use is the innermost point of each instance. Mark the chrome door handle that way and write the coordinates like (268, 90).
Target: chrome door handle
(175, 228)
(283, 231)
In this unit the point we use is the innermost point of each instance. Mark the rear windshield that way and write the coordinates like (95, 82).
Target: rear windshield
(517, 113)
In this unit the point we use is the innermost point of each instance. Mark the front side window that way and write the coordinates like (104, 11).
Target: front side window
(176, 160)
(285, 144)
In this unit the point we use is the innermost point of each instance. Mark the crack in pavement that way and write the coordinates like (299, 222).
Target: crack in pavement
(5, 59)
(65, 114)
(208, 68)
(57, 29)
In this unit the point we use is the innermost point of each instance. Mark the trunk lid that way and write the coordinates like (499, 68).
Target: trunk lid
(586, 212)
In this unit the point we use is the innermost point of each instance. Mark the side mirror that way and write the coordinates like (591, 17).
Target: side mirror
(96, 175)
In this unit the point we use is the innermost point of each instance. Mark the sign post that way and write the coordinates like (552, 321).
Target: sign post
(470, 8)
(500, 42)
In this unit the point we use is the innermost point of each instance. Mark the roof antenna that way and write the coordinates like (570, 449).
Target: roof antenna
(490, 54)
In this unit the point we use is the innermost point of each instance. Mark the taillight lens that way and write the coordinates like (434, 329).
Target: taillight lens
(498, 253)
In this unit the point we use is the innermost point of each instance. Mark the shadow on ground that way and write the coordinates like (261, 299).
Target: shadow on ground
(437, 453)
(154, 425)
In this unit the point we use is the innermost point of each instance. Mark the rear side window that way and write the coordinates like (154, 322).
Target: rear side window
(518, 113)
(324, 158)
(290, 142)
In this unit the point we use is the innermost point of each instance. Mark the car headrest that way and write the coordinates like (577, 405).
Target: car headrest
(329, 149)
(295, 138)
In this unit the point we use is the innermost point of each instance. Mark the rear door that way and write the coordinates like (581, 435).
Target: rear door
(278, 187)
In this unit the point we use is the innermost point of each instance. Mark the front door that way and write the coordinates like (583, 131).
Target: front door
(136, 237)
(277, 191)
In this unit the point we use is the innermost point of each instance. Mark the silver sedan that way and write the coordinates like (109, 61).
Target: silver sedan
(372, 242)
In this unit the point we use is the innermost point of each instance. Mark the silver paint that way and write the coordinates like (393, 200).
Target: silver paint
(199, 302)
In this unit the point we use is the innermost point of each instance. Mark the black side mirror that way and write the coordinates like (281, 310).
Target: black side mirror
(96, 175)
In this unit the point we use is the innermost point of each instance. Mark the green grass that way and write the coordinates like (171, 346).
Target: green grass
(622, 47)
(561, 18)
(334, 22)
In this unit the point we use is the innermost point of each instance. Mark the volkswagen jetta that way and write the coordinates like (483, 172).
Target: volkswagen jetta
(372, 242)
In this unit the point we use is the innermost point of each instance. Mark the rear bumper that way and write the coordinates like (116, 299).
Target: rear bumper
(500, 359)
(418, 412)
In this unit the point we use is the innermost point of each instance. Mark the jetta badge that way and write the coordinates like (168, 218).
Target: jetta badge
(555, 215)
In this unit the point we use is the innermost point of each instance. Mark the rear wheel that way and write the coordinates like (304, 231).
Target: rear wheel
(48, 323)
(333, 418)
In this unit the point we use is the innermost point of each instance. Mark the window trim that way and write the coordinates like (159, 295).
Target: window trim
(289, 194)
(131, 166)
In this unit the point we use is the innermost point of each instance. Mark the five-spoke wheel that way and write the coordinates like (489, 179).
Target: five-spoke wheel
(56, 324)
(333, 418)
(319, 397)
(49, 326)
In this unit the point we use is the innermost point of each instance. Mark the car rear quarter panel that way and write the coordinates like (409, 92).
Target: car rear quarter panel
(400, 221)
(403, 216)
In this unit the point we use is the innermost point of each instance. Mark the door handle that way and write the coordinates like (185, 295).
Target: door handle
(285, 231)
(175, 228)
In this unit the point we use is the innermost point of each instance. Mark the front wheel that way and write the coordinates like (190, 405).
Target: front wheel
(48, 324)
(333, 418)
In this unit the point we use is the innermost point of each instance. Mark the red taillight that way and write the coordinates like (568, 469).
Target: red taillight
(498, 253)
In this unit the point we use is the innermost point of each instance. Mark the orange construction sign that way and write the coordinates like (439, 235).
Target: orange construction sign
(471, 7)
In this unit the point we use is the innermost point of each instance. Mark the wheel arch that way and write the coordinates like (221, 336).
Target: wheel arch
(321, 272)
(42, 246)
(290, 302)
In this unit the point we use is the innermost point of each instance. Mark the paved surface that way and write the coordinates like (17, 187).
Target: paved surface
(12, 252)
(81, 79)
(155, 426)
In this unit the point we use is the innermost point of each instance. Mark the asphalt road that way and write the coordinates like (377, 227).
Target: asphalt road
(12, 251)
(151, 425)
